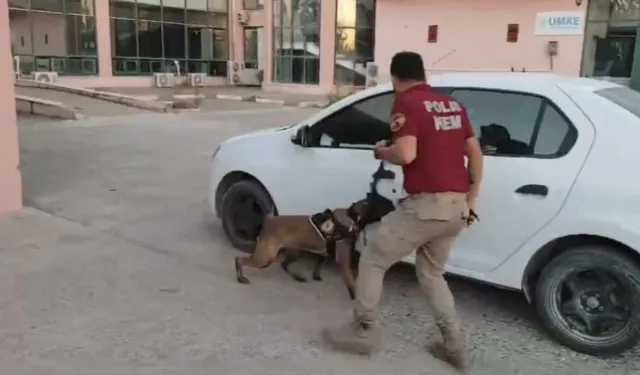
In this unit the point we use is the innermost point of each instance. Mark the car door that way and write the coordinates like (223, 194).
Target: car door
(532, 156)
(338, 165)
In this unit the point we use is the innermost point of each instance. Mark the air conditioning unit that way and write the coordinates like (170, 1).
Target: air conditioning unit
(238, 75)
(371, 78)
(242, 17)
(164, 79)
(197, 79)
(46, 77)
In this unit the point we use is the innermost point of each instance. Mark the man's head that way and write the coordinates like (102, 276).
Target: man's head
(407, 69)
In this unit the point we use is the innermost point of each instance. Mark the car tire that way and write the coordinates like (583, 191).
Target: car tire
(556, 314)
(230, 214)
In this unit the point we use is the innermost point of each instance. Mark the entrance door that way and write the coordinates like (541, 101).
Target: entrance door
(252, 51)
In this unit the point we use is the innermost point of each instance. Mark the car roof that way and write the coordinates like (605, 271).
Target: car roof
(496, 79)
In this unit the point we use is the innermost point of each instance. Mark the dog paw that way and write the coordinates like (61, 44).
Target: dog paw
(317, 277)
(299, 278)
(243, 280)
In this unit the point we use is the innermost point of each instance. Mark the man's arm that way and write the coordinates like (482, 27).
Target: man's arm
(405, 141)
(402, 151)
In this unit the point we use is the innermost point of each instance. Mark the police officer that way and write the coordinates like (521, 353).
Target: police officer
(431, 136)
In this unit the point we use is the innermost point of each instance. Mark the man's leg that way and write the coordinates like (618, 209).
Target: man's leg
(398, 234)
(430, 262)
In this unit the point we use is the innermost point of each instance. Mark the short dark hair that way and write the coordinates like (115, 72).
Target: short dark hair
(407, 66)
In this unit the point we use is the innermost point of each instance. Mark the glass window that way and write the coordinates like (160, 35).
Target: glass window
(518, 113)
(48, 5)
(296, 46)
(251, 40)
(54, 35)
(252, 4)
(185, 35)
(360, 125)
(516, 124)
(355, 40)
(555, 135)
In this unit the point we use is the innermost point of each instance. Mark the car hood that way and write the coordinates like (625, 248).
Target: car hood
(282, 132)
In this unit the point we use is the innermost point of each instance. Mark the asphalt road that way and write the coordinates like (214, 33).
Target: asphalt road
(142, 179)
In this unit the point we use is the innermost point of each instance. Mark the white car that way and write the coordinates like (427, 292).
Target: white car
(559, 206)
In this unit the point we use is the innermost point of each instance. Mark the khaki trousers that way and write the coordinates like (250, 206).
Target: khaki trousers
(429, 223)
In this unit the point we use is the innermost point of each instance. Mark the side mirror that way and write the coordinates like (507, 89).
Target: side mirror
(301, 137)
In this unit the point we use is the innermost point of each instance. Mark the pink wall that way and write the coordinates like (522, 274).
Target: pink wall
(473, 34)
(10, 182)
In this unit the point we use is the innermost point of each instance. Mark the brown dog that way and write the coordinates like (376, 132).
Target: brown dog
(298, 233)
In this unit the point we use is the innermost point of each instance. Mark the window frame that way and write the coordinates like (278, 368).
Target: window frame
(259, 5)
(254, 63)
(216, 67)
(562, 151)
(442, 89)
(342, 110)
(282, 61)
(58, 63)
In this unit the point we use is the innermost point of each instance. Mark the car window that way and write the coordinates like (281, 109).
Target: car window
(555, 134)
(625, 97)
(516, 124)
(359, 125)
(500, 115)
(379, 107)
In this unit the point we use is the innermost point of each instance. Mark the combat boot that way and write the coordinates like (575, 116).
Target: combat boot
(356, 337)
(452, 350)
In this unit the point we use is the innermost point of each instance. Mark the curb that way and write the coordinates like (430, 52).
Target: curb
(313, 104)
(258, 99)
(46, 108)
(230, 97)
(127, 100)
(269, 101)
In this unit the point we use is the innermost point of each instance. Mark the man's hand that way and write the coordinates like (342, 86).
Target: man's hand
(380, 147)
(473, 213)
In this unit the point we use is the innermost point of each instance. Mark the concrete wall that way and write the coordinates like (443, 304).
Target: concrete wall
(472, 34)
(10, 181)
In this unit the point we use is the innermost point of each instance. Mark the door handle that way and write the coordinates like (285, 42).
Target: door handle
(533, 189)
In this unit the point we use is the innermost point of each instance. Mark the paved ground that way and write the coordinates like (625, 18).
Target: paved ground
(129, 273)
(84, 105)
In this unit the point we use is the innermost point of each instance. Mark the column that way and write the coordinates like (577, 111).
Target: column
(10, 179)
(635, 67)
(267, 40)
(103, 36)
(327, 43)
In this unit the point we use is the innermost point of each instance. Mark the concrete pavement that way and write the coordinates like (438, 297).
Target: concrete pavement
(128, 272)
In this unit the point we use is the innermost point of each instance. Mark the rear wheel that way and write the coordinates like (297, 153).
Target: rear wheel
(244, 206)
(589, 300)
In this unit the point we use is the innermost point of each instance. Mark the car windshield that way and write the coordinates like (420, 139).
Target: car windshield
(625, 97)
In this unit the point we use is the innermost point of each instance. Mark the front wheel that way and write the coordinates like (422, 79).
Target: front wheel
(589, 300)
(244, 206)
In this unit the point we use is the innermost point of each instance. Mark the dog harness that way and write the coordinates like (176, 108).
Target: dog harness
(329, 227)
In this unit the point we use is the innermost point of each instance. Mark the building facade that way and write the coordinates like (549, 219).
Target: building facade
(312, 45)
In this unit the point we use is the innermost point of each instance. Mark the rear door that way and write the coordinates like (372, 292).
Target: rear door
(527, 178)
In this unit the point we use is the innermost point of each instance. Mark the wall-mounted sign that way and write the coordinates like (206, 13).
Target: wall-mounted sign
(560, 23)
